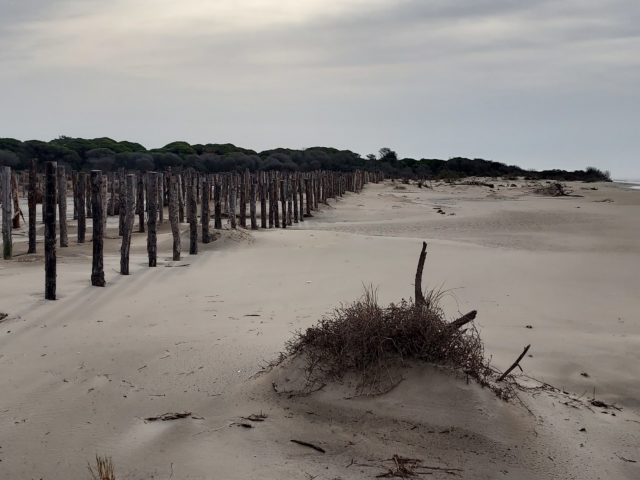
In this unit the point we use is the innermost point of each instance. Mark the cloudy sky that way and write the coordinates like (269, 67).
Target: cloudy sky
(538, 83)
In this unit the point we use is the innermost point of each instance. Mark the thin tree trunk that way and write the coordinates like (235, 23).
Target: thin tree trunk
(49, 208)
(140, 204)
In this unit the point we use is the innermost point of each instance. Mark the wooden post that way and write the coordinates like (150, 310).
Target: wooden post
(269, 186)
(232, 201)
(152, 217)
(283, 202)
(16, 201)
(62, 205)
(82, 221)
(301, 201)
(127, 204)
(173, 216)
(204, 209)
(74, 188)
(294, 194)
(5, 187)
(181, 198)
(307, 187)
(217, 207)
(111, 186)
(287, 193)
(243, 201)
(192, 214)
(275, 191)
(33, 185)
(104, 205)
(88, 201)
(49, 207)
(252, 204)
(97, 207)
(161, 198)
(263, 204)
(122, 194)
(140, 203)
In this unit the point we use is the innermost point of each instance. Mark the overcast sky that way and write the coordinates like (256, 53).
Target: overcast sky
(538, 83)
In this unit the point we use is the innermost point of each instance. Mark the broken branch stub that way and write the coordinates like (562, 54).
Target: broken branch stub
(420, 300)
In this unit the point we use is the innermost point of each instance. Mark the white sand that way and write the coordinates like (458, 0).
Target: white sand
(78, 375)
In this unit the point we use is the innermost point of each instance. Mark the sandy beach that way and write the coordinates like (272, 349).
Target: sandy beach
(79, 375)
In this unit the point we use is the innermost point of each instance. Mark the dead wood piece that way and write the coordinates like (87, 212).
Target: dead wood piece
(469, 317)
(168, 416)
(310, 445)
(256, 417)
(515, 364)
(420, 300)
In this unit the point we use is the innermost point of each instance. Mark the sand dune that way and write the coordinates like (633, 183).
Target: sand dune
(79, 375)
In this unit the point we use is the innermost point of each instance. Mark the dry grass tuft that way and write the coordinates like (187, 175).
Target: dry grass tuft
(103, 469)
(370, 340)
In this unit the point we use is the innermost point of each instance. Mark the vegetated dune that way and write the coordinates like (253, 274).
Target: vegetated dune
(80, 376)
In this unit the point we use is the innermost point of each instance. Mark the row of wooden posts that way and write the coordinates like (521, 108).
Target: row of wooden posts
(284, 199)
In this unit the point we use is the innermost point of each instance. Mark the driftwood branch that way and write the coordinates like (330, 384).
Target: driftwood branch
(469, 317)
(515, 364)
(420, 300)
(310, 445)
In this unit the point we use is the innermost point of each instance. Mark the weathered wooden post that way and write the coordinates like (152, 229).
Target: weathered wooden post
(16, 201)
(307, 187)
(173, 216)
(5, 187)
(294, 194)
(283, 202)
(105, 215)
(243, 201)
(301, 200)
(49, 208)
(181, 198)
(192, 214)
(140, 202)
(276, 194)
(252, 203)
(111, 188)
(89, 203)
(263, 203)
(82, 221)
(269, 187)
(217, 207)
(122, 194)
(152, 217)
(161, 197)
(97, 207)
(62, 205)
(287, 191)
(74, 188)
(33, 185)
(204, 209)
(127, 203)
(232, 201)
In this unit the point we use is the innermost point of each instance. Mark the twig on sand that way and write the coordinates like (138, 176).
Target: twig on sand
(625, 459)
(515, 364)
(310, 445)
(412, 467)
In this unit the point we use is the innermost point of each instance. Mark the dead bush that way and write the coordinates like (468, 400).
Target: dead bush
(370, 340)
(103, 469)
(554, 189)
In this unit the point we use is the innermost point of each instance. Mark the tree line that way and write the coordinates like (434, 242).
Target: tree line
(107, 154)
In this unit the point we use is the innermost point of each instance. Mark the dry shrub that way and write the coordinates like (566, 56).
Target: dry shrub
(370, 340)
(554, 189)
(103, 469)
